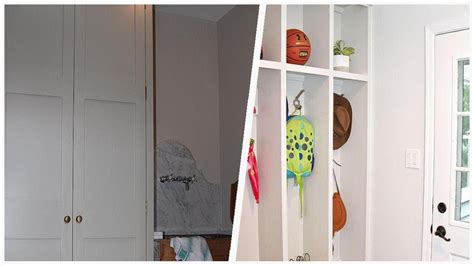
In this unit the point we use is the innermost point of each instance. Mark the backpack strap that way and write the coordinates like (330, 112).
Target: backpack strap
(335, 180)
(299, 180)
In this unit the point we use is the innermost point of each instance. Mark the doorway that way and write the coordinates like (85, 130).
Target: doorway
(451, 182)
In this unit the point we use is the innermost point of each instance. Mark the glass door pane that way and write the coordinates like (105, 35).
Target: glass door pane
(463, 191)
(462, 197)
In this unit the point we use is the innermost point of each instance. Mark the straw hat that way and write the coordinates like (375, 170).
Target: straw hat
(342, 121)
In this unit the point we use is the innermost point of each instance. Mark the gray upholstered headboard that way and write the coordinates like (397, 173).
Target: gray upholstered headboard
(185, 212)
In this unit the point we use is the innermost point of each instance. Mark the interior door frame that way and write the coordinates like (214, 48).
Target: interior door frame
(431, 31)
(149, 131)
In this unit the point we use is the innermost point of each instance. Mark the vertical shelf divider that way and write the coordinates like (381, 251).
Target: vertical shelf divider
(331, 37)
(283, 133)
(367, 255)
(331, 128)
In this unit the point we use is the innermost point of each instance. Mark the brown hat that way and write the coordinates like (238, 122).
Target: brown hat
(342, 121)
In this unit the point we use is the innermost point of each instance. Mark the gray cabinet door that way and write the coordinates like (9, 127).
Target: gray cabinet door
(75, 96)
(109, 133)
(39, 50)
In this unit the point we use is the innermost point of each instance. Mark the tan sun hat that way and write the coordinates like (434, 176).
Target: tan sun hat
(342, 121)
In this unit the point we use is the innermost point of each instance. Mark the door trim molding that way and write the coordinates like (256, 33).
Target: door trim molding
(431, 31)
(150, 132)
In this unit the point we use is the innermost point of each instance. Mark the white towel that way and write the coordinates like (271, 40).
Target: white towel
(191, 248)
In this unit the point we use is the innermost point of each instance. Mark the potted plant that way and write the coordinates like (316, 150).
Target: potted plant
(341, 56)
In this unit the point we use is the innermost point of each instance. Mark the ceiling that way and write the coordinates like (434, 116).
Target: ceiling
(207, 12)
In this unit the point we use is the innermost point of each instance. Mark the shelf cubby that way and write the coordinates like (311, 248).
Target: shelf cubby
(310, 232)
(271, 41)
(283, 234)
(351, 25)
(313, 20)
(352, 175)
(271, 159)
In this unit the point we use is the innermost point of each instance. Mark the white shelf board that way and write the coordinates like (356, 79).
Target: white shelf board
(307, 70)
(270, 64)
(350, 76)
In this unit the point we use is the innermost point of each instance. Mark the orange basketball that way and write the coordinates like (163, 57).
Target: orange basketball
(298, 47)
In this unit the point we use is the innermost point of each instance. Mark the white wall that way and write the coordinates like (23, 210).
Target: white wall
(236, 39)
(399, 80)
(203, 72)
(187, 87)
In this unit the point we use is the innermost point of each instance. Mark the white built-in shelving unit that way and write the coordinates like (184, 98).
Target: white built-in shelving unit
(283, 234)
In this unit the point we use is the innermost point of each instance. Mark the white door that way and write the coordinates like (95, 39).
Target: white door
(109, 133)
(39, 44)
(451, 216)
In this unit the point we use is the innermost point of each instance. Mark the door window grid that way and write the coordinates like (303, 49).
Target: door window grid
(462, 188)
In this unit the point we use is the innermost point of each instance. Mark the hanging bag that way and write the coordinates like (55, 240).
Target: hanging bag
(299, 148)
(339, 214)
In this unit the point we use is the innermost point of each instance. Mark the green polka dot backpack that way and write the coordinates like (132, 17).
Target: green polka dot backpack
(299, 151)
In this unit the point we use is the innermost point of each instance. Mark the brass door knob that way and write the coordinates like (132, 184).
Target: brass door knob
(78, 219)
(67, 219)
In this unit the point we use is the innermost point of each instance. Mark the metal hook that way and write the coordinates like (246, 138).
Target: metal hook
(305, 257)
(297, 103)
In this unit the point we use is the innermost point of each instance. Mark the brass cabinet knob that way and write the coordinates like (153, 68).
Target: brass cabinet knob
(78, 219)
(67, 219)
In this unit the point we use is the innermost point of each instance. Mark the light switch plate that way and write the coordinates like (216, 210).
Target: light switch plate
(412, 158)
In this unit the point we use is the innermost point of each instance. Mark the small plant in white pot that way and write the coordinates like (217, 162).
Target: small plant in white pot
(341, 56)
